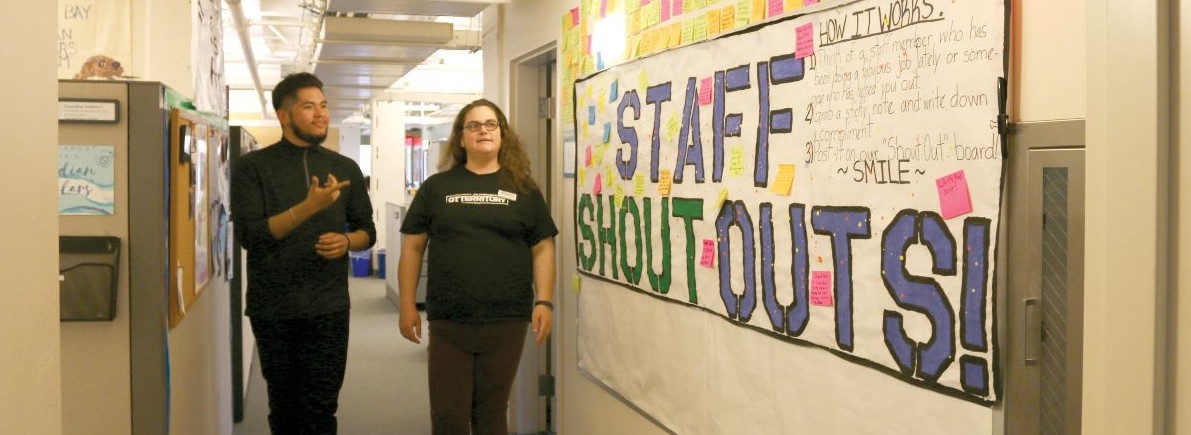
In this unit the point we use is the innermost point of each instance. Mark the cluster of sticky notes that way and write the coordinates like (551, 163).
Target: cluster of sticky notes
(708, 257)
(805, 35)
(953, 194)
(821, 289)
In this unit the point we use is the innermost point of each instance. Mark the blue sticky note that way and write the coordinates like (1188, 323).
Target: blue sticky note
(590, 115)
(614, 91)
(607, 132)
(599, 61)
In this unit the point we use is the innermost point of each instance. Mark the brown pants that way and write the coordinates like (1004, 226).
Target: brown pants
(471, 375)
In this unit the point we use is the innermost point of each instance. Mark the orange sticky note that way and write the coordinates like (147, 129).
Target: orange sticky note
(785, 179)
(664, 183)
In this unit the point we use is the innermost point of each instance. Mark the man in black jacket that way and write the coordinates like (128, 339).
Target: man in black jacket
(298, 209)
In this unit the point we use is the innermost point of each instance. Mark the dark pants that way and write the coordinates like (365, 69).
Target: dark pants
(303, 362)
(471, 375)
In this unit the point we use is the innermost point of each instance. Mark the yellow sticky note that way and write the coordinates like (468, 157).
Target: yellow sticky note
(727, 18)
(672, 128)
(758, 11)
(719, 201)
(744, 11)
(664, 183)
(582, 180)
(663, 38)
(675, 35)
(698, 4)
(713, 22)
(793, 5)
(736, 162)
(642, 83)
(619, 195)
(638, 185)
(699, 28)
(576, 283)
(634, 23)
(611, 175)
(687, 27)
(785, 179)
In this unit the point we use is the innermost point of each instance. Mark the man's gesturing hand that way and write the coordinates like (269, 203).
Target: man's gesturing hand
(322, 196)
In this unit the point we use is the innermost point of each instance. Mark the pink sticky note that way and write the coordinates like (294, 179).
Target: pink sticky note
(644, 2)
(603, 8)
(809, 2)
(587, 156)
(821, 289)
(574, 16)
(665, 10)
(675, 8)
(806, 40)
(776, 7)
(598, 186)
(708, 259)
(704, 91)
(953, 194)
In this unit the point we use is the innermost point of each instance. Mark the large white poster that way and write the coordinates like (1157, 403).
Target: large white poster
(829, 183)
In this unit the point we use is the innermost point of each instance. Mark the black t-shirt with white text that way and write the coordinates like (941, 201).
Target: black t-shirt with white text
(481, 232)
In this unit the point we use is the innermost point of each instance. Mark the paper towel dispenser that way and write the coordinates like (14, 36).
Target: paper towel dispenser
(88, 273)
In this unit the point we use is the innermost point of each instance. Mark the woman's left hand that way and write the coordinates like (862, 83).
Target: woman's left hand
(542, 319)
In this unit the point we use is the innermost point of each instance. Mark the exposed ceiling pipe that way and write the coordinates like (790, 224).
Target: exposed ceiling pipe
(241, 25)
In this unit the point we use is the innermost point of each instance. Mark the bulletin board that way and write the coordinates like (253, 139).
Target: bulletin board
(194, 223)
(825, 183)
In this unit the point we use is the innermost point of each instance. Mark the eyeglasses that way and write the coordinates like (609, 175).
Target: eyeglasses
(474, 126)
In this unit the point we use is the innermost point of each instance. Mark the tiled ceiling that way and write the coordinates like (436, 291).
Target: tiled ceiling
(422, 51)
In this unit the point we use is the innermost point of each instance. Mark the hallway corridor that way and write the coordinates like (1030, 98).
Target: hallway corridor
(385, 389)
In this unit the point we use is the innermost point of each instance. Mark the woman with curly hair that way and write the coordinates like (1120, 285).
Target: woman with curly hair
(491, 243)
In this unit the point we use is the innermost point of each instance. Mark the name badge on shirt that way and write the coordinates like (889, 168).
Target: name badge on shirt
(506, 195)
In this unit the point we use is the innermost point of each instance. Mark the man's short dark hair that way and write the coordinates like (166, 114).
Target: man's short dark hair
(289, 86)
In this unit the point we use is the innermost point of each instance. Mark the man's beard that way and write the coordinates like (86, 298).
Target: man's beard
(311, 139)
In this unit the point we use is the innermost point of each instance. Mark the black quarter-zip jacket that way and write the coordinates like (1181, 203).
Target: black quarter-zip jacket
(287, 278)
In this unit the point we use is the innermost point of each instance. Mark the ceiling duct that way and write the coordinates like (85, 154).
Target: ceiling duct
(361, 57)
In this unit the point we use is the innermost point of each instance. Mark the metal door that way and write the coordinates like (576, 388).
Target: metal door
(1045, 240)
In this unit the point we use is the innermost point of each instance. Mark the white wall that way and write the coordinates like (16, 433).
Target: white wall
(161, 48)
(583, 406)
(30, 381)
(388, 165)
(1127, 248)
(1052, 87)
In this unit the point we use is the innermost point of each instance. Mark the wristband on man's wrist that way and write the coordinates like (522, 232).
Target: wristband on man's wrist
(546, 304)
(349, 241)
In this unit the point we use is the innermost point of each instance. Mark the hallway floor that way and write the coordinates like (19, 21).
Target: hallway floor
(385, 390)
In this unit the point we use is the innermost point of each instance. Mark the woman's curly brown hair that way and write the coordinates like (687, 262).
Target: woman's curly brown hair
(514, 164)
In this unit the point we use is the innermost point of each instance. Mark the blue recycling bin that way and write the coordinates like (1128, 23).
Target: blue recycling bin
(361, 263)
(380, 260)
